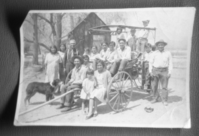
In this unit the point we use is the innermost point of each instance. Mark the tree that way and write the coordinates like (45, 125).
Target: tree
(35, 39)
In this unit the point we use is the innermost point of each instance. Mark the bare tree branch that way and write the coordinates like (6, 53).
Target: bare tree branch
(44, 19)
(62, 15)
(28, 21)
(41, 44)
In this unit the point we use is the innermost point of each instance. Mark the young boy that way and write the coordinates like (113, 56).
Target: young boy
(88, 86)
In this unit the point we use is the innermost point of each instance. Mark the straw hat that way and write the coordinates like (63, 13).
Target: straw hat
(161, 41)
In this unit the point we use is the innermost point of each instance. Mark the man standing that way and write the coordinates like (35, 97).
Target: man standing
(69, 54)
(132, 40)
(123, 56)
(77, 77)
(160, 68)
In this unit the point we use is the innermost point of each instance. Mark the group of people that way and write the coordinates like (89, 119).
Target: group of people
(92, 72)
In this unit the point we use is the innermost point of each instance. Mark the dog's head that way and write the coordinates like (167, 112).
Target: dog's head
(56, 83)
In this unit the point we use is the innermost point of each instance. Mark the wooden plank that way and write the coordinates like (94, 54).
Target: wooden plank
(37, 107)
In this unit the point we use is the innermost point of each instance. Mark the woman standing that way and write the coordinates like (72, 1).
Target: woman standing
(102, 77)
(51, 63)
(62, 65)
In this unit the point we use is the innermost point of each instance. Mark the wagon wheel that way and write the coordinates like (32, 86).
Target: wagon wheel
(119, 91)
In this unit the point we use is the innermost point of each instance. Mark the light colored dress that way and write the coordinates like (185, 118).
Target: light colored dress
(52, 66)
(103, 79)
(89, 87)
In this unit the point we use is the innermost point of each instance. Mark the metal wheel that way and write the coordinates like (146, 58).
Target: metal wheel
(120, 91)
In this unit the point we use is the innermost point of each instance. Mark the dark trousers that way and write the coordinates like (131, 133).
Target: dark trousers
(160, 75)
(62, 73)
(146, 76)
(68, 99)
(69, 67)
(118, 66)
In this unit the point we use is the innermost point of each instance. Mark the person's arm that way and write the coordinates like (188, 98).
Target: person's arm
(72, 77)
(109, 77)
(95, 82)
(64, 59)
(170, 64)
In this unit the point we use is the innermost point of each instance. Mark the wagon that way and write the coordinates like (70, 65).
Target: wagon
(123, 83)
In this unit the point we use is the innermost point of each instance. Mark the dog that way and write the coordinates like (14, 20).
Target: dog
(43, 88)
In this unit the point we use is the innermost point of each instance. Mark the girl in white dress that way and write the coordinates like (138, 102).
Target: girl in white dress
(103, 78)
(88, 86)
(52, 61)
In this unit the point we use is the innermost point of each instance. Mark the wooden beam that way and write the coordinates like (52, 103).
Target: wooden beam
(48, 102)
(135, 27)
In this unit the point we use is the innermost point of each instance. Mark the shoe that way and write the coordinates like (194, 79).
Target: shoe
(154, 101)
(95, 113)
(62, 106)
(88, 117)
(67, 109)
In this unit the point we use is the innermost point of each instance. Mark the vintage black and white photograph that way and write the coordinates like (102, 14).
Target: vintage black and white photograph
(106, 68)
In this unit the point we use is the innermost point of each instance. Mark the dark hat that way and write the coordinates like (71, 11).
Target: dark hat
(145, 21)
(77, 57)
(161, 41)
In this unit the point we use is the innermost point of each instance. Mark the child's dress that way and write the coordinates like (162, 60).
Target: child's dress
(89, 86)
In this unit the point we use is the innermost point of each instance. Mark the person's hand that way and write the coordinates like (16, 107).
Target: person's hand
(169, 75)
(64, 70)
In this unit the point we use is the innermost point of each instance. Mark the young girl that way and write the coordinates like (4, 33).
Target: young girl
(88, 86)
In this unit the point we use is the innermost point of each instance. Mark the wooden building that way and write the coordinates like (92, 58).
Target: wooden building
(84, 37)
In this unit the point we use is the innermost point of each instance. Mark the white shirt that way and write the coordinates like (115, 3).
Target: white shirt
(61, 55)
(143, 33)
(124, 54)
(103, 54)
(111, 56)
(78, 74)
(94, 56)
(147, 56)
(161, 60)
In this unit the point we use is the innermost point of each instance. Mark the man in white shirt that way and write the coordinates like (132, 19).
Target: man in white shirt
(77, 77)
(160, 68)
(123, 56)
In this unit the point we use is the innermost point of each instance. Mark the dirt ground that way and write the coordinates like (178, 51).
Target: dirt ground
(173, 115)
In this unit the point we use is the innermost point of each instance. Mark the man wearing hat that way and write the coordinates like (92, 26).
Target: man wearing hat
(119, 34)
(77, 77)
(160, 68)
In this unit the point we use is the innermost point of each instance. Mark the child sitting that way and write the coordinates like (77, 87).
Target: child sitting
(88, 86)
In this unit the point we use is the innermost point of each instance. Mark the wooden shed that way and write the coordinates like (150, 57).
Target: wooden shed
(84, 37)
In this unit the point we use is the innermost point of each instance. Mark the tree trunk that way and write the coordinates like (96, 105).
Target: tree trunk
(35, 39)
(59, 30)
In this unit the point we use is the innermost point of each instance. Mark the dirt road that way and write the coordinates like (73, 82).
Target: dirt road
(134, 115)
